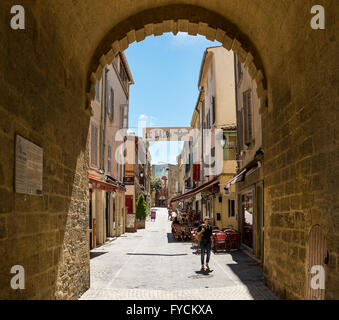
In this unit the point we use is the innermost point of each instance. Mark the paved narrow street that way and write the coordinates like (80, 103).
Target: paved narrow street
(150, 265)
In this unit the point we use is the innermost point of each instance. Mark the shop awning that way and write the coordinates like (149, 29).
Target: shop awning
(239, 177)
(97, 181)
(193, 192)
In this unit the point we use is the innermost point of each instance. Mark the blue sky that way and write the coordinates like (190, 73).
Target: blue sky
(165, 70)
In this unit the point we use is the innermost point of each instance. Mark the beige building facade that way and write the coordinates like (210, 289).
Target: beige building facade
(210, 156)
(108, 122)
(250, 155)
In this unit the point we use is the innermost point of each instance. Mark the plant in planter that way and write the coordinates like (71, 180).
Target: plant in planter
(141, 211)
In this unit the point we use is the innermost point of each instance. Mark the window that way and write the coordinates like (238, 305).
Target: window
(239, 69)
(109, 158)
(124, 116)
(94, 145)
(108, 96)
(220, 199)
(208, 120)
(240, 131)
(97, 91)
(218, 216)
(230, 146)
(213, 110)
(247, 117)
(231, 208)
(110, 102)
(123, 75)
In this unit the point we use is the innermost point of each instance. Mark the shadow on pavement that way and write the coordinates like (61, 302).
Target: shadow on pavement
(96, 254)
(157, 254)
(250, 273)
(205, 273)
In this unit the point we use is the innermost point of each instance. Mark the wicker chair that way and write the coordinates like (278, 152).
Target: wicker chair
(234, 240)
(220, 241)
(176, 230)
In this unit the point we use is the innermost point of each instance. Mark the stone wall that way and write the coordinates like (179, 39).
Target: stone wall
(300, 131)
(42, 99)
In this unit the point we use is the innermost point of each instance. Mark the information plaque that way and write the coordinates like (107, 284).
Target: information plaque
(28, 167)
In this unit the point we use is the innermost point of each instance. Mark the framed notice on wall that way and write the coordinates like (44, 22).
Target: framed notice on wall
(28, 167)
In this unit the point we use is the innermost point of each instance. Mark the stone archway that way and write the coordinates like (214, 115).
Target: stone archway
(177, 18)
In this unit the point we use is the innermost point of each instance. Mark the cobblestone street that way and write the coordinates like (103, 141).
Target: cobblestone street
(150, 265)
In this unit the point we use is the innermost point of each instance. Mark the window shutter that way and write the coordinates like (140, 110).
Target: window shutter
(247, 116)
(112, 104)
(94, 145)
(109, 158)
(108, 93)
(240, 132)
(97, 91)
(213, 110)
(249, 113)
(239, 69)
(124, 116)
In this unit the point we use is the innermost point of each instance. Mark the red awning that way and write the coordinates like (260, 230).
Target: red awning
(97, 183)
(193, 192)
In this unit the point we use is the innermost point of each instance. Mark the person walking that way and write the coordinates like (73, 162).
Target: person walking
(205, 235)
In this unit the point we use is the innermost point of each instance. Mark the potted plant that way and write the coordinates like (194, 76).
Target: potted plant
(141, 212)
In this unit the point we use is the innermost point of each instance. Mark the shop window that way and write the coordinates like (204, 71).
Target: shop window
(231, 208)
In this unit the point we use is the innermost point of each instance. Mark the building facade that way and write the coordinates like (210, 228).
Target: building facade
(209, 156)
(250, 155)
(109, 110)
(137, 178)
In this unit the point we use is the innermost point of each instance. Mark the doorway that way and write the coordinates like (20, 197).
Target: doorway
(247, 218)
(108, 195)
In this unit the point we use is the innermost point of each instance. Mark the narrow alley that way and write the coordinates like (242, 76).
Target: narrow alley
(150, 265)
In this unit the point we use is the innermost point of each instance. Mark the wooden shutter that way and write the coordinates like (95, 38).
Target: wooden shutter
(249, 114)
(112, 104)
(109, 97)
(240, 131)
(109, 159)
(124, 116)
(94, 145)
(247, 117)
(213, 110)
(97, 91)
